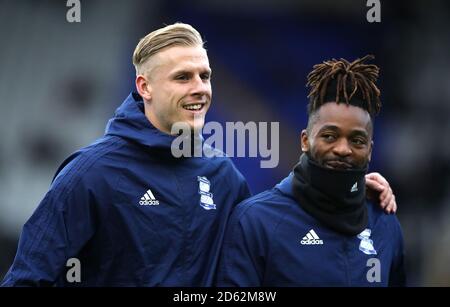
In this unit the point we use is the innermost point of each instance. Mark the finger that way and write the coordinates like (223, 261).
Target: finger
(374, 185)
(390, 207)
(387, 202)
(393, 204)
(385, 197)
(378, 178)
(372, 175)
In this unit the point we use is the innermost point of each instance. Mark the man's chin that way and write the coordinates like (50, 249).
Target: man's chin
(197, 127)
(197, 124)
(187, 127)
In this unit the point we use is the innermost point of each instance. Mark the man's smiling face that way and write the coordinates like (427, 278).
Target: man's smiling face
(339, 136)
(178, 87)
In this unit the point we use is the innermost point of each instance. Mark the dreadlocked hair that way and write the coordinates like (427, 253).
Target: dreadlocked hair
(345, 80)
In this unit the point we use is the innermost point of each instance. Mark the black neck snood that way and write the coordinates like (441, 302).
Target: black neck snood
(334, 197)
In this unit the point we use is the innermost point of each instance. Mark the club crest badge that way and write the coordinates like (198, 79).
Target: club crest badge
(206, 197)
(366, 244)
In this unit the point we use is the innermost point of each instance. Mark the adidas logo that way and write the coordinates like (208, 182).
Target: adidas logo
(354, 187)
(148, 199)
(311, 238)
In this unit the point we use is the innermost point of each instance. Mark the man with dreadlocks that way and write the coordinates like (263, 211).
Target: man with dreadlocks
(316, 227)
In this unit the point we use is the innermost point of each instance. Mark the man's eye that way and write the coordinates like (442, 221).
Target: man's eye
(181, 77)
(328, 137)
(359, 142)
(205, 76)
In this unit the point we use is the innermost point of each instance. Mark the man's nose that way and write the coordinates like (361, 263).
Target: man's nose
(342, 148)
(201, 86)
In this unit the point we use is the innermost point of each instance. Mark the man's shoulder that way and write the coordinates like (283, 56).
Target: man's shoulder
(223, 165)
(267, 205)
(217, 157)
(87, 161)
(377, 216)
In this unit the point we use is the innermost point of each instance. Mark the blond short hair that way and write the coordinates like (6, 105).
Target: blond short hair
(177, 34)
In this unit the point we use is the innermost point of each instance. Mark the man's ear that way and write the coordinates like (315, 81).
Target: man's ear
(304, 141)
(370, 150)
(143, 87)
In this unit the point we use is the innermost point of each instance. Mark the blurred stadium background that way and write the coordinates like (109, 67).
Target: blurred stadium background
(60, 82)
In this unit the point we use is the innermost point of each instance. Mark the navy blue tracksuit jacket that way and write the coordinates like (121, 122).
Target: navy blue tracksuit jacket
(131, 213)
(272, 241)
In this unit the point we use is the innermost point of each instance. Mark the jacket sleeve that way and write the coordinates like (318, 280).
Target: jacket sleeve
(241, 263)
(397, 276)
(243, 188)
(58, 229)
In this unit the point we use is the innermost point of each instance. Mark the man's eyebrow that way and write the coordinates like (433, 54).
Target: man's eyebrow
(360, 132)
(207, 70)
(187, 71)
(180, 72)
(329, 127)
(336, 128)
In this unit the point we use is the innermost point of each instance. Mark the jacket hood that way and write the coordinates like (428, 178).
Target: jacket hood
(129, 122)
